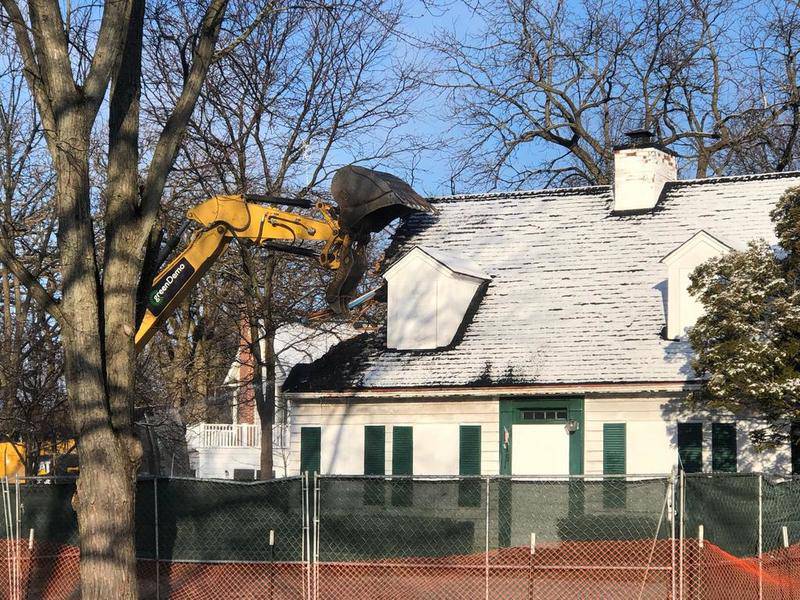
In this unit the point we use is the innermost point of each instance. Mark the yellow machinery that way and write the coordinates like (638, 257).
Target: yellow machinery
(366, 201)
(14, 456)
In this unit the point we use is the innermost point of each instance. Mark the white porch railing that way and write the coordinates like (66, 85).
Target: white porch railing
(227, 435)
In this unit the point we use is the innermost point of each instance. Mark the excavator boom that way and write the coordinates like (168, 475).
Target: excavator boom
(367, 201)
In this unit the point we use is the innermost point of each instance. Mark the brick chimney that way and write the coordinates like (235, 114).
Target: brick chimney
(641, 168)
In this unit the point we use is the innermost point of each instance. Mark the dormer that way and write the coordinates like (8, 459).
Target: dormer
(429, 296)
(683, 309)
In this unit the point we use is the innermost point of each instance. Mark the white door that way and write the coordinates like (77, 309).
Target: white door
(541, 449)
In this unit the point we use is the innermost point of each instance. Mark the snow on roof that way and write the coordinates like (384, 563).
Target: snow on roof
(457, 264)
(577, 295)
(700, 237)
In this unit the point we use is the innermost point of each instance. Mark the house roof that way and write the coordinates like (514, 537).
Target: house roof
(701, 237)
(577, 294)
(456, 264)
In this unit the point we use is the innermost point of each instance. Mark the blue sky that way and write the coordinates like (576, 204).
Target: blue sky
(431, 173)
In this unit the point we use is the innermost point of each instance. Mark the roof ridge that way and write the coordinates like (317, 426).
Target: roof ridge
(587, 189)
(522, 193)
(733, 178)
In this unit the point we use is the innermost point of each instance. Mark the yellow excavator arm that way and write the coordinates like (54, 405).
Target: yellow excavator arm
(367, 201)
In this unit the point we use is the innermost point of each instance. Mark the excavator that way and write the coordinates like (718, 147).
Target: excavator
(366, 202)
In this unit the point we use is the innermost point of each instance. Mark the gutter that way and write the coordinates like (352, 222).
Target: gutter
(542, 389)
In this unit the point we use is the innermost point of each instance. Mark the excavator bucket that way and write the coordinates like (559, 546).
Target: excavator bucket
(368, 201)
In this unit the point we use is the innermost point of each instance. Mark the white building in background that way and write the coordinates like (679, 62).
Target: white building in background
(233, 450)
(541, 332)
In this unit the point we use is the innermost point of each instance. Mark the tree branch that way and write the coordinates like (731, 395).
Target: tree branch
(169, 140)
(108, 52)
(31, 68)
(41, 295)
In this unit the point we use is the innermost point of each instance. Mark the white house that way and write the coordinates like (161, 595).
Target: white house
(541, 332)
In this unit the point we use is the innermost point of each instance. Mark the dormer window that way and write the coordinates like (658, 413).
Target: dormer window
(683, 309)
(430, 293)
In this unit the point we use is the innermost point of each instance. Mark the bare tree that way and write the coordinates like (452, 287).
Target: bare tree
(31, 386)
(306, 92)
(70, 63)
(546, 88)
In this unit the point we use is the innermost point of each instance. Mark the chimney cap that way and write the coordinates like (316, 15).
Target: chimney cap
(642, 138)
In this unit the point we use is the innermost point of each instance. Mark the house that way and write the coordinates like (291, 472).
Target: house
(541, 332)
(233, 450)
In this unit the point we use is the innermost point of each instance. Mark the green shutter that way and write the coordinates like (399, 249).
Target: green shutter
(690, 446)
(614, 448)
(794, 440)
(723, 447)
(402, 451)
(469, 452)
(374, 450)
(310, 443)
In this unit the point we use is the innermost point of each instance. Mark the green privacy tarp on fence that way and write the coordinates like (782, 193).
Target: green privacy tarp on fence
(197, 520)
(726, 505)
(577, 509)
(781, 508)
(375, 519)
(220, 520)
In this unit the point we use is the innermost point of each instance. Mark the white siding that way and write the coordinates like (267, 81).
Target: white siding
(342, 449)
(427, 301)
(219, 463)
(651, 444)
(436, 432)
(683, 309)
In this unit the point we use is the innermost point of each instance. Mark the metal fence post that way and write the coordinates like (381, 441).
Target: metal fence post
(155, 528)
(315, 557)
(486, 555)
(306, 540)
(682, 509)
(760, 538)
(672, 530)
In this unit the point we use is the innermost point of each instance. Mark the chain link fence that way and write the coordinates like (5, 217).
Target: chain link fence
(194, 539)
(698, 536)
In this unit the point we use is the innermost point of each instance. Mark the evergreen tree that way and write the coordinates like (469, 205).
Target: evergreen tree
(747, 344)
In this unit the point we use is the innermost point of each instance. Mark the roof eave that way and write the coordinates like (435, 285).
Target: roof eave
(538, 389)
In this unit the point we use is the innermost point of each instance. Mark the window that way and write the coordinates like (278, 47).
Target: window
(402, 464)
(310, 443)
(690, 446)
(614, 440)
(545, 415)
(469, 463)
(723, 447)
(794, 437)
(374, 463)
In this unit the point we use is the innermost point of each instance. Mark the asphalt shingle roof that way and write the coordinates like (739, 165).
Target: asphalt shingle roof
(577, 293)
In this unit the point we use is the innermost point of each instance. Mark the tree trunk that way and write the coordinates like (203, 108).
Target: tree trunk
(105, 505)
(105, 490)
(267, 460)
